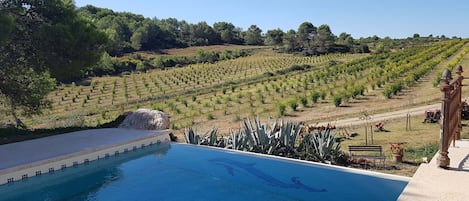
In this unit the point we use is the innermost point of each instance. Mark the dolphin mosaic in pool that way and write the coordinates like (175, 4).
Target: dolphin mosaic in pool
(232, 165)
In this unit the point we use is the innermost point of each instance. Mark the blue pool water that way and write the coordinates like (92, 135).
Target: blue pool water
(182, 172)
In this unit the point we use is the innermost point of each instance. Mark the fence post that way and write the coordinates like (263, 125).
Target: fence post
(366, 134)
(450, 121)
(443, 159)
(410, 123)
(459, 77)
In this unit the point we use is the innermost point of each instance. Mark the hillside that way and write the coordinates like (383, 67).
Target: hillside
(222, 93)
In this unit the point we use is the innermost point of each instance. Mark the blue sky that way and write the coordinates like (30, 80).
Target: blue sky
(361, 18)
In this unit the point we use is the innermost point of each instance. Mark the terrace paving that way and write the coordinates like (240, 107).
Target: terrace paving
(42, 149)
(432, 183)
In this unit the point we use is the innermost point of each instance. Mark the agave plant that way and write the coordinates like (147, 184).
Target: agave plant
(209, 139)
(191, 136)
(289, 133)
(321, 146)
(278, 139)
(253, 138)
(239, 141)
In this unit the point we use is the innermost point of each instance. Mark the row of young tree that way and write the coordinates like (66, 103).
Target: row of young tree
(130, 32)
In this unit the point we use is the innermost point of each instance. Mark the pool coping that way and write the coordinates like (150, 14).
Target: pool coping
(432, 183)
(99, 150)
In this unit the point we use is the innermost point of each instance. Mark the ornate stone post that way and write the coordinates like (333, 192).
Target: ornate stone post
(443, 159)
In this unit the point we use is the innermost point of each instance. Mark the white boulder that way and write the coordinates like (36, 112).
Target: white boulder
(146, 119)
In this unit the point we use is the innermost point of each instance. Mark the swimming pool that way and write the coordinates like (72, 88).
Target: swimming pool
(186, 172)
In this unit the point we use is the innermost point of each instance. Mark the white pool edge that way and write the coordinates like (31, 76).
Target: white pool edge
(48, 166)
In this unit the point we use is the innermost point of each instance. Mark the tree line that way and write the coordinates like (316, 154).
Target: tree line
(130, 32)
(42, 42)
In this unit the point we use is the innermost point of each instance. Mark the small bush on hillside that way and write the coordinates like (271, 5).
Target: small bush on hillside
(281, 109)
(210, 117)
(293, 104)
(315, 96)
(303, 101)
(337, 100)
(323, 95)
(387, 92)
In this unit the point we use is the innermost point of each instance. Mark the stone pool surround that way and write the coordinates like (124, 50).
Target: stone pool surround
(50, 154)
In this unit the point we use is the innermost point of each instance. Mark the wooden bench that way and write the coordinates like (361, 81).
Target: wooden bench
(370, 152)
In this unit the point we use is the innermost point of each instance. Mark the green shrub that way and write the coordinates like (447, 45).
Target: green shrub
(418, 153)
(261, 98)
(346, 96)
(303, 101)
(293, 104)
(357, 90)
(387, 92)
(157, 62)
(233, 88)
(281, 109)
(140, 66)
(379, 83)
(323, 95)
(315, 96)
(207, 56)
(184, 102)
(337, 100)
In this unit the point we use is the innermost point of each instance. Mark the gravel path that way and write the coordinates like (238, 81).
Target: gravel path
(386, 116)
